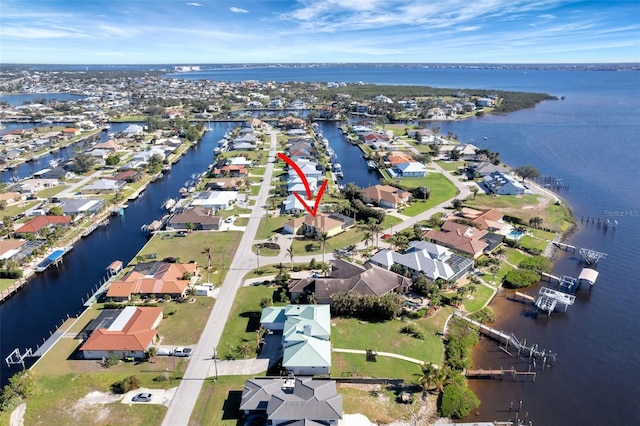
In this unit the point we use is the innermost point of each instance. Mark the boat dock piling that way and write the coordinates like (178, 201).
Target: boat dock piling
(531, 351)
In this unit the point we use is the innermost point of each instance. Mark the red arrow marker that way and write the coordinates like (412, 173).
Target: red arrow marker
(313, 211)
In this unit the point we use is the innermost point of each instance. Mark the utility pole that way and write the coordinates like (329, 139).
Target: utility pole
(215, 361)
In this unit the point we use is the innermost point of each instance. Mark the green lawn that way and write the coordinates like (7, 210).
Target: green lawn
(450, 166)
(184, 322)
(5, 283)
(389, 221)
(560, 217)
(219, 402)
(502, 271)
(514, 256)
(270, 225)
(532, 242)
(502, 201)
(385, 336)
(442, 189)
(244, 320)
(306, 247)
(346, 365)
(479, 298)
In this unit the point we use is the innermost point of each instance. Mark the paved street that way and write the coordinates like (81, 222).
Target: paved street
(201, 360)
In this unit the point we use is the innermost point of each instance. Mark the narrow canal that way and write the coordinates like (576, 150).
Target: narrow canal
(354, 166)
(30, 315)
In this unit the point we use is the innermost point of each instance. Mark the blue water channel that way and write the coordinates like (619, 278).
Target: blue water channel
(34, 312)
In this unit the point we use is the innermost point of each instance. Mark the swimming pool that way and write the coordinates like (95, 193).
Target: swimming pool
(515, 234)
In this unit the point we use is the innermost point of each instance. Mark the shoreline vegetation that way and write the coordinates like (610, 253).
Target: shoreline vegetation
(424, 326)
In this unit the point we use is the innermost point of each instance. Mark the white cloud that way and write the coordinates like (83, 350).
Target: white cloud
(238, 10)
(195, 4)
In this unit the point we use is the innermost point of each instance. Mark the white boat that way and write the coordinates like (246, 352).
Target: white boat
(208, 128)
(106, 127)
(169, 204)
(54, 163)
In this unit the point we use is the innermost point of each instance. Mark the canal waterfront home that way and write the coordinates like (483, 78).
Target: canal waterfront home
(503, 184)
(386, 196)
(157, 279)
(37, 224)
(127, 332)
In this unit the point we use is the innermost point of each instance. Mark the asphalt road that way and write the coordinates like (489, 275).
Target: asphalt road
(198, 369)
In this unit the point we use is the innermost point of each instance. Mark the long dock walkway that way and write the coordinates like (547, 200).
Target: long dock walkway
(502, 374)
(532, 351)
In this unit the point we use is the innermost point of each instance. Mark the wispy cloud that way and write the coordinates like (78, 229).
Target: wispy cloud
(238, 10)
(195, 4)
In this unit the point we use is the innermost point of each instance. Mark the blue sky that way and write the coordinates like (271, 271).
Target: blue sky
(284, 31)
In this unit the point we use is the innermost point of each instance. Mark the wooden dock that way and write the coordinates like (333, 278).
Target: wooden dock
(564, 246)
(502, 374)
(525, 298)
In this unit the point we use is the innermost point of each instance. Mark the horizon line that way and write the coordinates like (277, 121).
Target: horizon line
(329, 63)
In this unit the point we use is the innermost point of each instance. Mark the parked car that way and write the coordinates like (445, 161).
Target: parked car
(142, 397)
(386, 236)
(181, 234)
(181, 352)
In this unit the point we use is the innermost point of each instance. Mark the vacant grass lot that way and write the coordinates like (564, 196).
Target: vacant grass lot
(219, 402)
(244, 320)
(379, 407)
(442, 189)
(349, 333)
(450, 166)
(184, 322)
(56, 401)
(305, 247)
(270, 225)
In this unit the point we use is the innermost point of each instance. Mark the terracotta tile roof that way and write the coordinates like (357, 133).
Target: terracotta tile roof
(40, 222)
(460, 237)
(136, 335)
(396, 158)
(386, 193)
(167, 279)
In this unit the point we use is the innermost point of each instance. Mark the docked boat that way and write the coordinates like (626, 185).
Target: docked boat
(339, 175)
(106, 127)
(54, 163)
(372, 165)
(169, 204)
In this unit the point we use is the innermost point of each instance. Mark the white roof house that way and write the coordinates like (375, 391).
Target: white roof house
(215, 199)
(433, 260)
(411, 168)
(133, 129)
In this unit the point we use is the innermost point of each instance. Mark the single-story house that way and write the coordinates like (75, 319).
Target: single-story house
(39, 223)
(292, 205)
(485, 168)
(293, 401)
(215, 199)
(103, 186)
(230, 170)
(85, 206)
(128, 332)
(224, 184)
(503, 184)
(332, 224)
(385, 196)
(489, 219)
(10, 247)
(346, 276)
(201, 218)
(411, 169)
(306, 330)
(431, 259)
(464, 238)
(152, 278)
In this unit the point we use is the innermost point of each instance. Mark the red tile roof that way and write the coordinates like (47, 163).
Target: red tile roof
(40, 222)
(136, 335)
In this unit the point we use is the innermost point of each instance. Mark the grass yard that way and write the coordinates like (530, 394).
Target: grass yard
(502, 271)
(380, 407)
(442, 189)
(243, 320)
(530, 242)
(5, 283)
(503, 201)
(390, 220)
(514, 256)
(560, 217)
(305, 247)
(219, 402)
(56, 401)
(270, 225)
(450, 166)
(479, 298)
(183, 322)
(356, 365)
(349, 333)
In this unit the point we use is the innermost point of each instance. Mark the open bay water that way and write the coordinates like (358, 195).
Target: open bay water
(588, 139)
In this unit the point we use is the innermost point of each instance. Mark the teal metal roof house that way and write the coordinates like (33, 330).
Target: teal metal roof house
(306, 331)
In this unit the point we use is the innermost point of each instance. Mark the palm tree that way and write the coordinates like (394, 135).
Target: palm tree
(493, 269)
(290, 255)
(207, 251)
(427, 377)
(535, 222)
(442, 378)
(375, 228)
(245, 349)
(260, 340)
(474, 191)
(366, 238)
(322, 238)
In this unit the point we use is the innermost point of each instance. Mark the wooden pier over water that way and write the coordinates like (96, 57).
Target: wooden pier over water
(502, 374)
